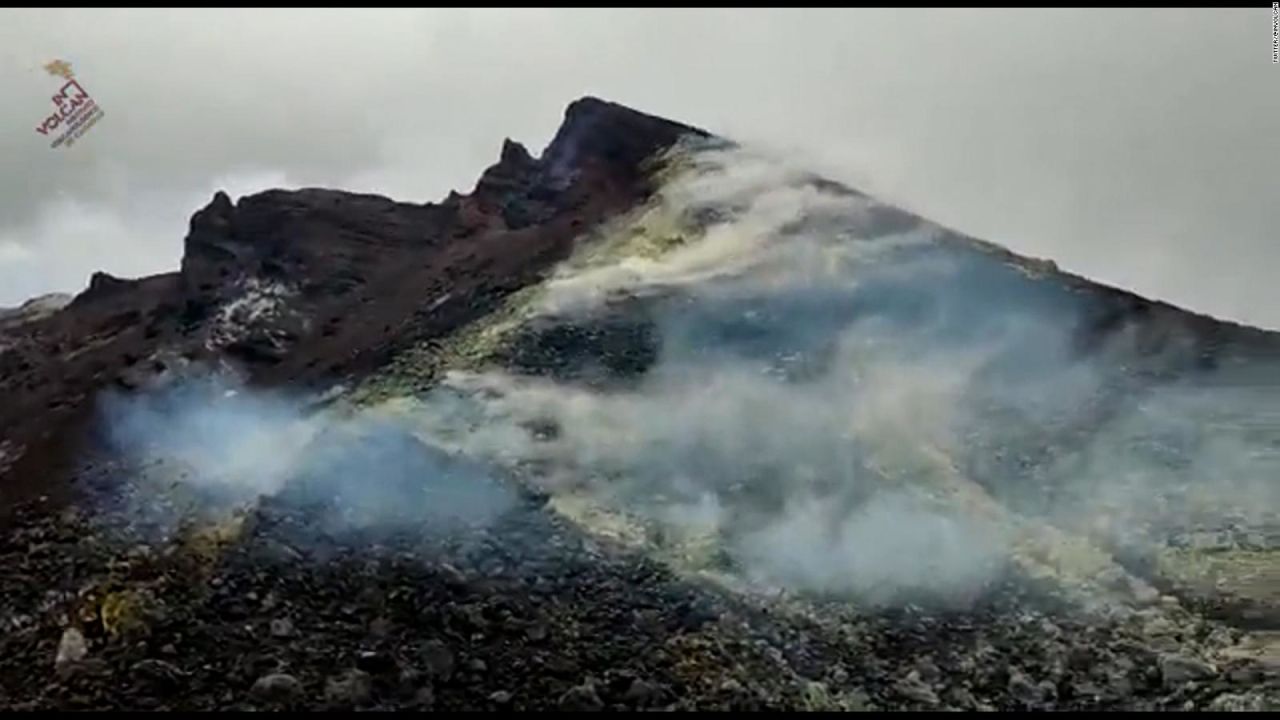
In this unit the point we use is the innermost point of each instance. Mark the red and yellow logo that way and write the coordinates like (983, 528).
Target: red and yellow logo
(74, 111)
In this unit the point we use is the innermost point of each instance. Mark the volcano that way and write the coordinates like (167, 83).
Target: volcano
(650, 421)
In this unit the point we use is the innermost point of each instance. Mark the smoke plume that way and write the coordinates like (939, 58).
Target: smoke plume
(847, 399)
(823, 394)
(205, 445)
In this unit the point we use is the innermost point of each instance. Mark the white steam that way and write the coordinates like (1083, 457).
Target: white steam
(226, 448)
(844, 400)
(847, 399)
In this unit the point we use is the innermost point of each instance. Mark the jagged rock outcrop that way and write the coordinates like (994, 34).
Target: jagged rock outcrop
(314, 285)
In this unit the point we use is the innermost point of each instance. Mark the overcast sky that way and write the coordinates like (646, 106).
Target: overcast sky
(1137, 147)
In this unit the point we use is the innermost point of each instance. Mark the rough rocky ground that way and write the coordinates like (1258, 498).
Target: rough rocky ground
(531, 614)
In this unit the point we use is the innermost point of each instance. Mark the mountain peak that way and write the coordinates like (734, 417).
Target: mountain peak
(606, 131)
(514, 153)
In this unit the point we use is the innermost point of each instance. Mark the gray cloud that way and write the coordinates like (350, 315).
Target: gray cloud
(1133, 146)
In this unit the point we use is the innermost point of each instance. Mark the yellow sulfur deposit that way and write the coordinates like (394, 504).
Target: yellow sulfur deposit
(125, 613)
(207, 540)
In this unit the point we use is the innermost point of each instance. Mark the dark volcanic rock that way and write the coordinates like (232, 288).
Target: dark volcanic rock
(438, 659)
(1177, 669)
(597, 130)
(353, 687)
(102, 285)
(617, 633)
(315, 286)
(277, 686)
(607, 349)
(581, 698)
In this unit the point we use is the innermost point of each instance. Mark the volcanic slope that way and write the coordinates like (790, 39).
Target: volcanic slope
(648, 421)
